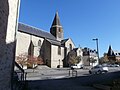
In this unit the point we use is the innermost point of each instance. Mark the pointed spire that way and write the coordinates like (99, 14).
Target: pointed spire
(56, 20)
(110, 51)
(56, 28)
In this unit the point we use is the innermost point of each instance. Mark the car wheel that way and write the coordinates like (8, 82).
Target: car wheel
(99, 72)
(81, 68)
(106, 71)
(90, 72)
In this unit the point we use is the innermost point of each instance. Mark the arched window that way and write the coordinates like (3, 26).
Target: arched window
(59, 33)
(70, 46)
(39, 43)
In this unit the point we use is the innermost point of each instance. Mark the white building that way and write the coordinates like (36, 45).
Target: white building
(90, 57)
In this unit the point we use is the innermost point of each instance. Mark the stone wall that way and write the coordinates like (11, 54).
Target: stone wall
(56, 59)
(8, 22)
(23, 43)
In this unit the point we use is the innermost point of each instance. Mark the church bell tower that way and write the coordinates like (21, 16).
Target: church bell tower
(56, 28)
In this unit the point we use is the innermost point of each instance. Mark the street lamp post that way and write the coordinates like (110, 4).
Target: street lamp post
(96, 39)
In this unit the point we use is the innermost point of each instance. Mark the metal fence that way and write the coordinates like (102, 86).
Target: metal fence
(19, 78)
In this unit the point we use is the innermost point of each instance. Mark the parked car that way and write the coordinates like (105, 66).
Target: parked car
(113, 65)
(77, 66)
(98, 69)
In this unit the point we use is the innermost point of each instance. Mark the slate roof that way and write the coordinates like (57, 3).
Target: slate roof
(64, 41)
(56, 20)
(34, 31)
(75, 49)
(54, 42)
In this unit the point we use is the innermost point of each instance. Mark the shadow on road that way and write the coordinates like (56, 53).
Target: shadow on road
(74, 83)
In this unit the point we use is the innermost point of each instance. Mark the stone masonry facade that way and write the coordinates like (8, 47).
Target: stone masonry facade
(8, 23)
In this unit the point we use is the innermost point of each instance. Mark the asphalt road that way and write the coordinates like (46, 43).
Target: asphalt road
(48, 73)
(59, 79)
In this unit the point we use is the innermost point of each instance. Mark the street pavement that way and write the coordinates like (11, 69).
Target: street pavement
(44, 78)
(43, 72)
(57, 84)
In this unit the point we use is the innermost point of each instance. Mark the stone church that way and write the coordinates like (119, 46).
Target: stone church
(51, 47)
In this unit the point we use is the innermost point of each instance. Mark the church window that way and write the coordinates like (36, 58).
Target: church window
(31, 49)
(59, 33)
(59, 50)
(60, 30)
(70, 46)
(39, 43)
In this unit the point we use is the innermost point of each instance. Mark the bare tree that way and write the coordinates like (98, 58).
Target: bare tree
(25, 59)
(22, 59)
(74, 60)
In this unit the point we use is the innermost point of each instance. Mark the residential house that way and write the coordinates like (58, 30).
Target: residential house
(90, 57)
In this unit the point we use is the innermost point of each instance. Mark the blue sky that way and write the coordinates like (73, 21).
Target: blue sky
(82, 20)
